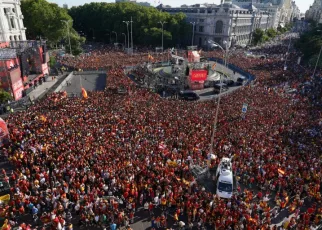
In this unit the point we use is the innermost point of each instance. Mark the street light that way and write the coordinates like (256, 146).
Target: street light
(131, 36)
(68, 31)
(317, 61)
(128, 35)
(214, 44)
(162, 23)
(115, 35)
(124, 39)
(193, 31)
(288, 50)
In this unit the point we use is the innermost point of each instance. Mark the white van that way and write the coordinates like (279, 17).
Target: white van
(224, 179)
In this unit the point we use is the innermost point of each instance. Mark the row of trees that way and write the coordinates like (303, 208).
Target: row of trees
(100, 22)
(48, 20)
(260, 36)
(310, 44)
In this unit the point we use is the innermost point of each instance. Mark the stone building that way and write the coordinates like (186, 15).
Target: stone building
(226, 24)
(11, 24)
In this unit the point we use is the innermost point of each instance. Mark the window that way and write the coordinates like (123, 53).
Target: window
(13, 10)
(219, 27)
(12, 23)
(10, 38)
(15, 38)
(202, 11)
(201, 20)
(201, 29)
(20, 37)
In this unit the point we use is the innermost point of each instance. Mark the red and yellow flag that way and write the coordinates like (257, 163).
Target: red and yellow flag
(150, 57)
(84, 93)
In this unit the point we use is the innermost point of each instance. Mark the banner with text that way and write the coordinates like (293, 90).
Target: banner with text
(198, 75)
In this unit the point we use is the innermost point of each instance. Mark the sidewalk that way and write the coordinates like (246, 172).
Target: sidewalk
(46, 87)
(43, 88)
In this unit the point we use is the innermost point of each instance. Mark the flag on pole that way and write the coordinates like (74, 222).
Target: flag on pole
(150, 57)
(281, 172)
(84, 93)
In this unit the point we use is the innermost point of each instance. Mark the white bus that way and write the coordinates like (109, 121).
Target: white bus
(224, 179)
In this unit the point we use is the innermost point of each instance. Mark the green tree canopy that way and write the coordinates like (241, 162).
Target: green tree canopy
(47, 20)
(258, 36)
(271, 32)
(310, 43)
(99, 20)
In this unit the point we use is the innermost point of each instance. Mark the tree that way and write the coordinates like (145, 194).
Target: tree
(47, 20)
(310, 43)
(146, 27)
(271, 32)
(4, 96)
(258, 36)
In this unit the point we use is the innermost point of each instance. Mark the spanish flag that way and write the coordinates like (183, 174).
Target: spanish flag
(84, 93)
(6, 225)
(150, 57)
(281, 172)
(213, 66)
(42, 118)
(5, 198)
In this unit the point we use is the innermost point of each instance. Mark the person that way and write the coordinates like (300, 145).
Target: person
(113, 226)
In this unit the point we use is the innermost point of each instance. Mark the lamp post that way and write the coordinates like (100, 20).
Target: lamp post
(124, 39)
(288, 50)
(219, 96)
(317, 62)
(162, 23)
(115, 35)
(128, 35)
(131, 36)
(193, 31)
(68, 31)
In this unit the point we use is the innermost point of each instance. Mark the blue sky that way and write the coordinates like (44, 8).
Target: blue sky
(302, 4)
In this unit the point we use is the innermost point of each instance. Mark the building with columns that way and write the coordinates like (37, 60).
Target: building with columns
(11, 24)
(226, 24)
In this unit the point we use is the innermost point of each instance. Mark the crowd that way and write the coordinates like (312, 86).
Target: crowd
(106, 57)
(99, 159)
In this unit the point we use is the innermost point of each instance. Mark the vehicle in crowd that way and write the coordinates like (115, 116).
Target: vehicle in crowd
(228, 82)
(224, 179)
(188, 95)
(220, 87)
(121, 90)
(251, 55)
(240, 81)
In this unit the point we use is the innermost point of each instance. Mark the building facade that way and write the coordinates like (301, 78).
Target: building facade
(315, 12)
(11, 24)
(279, 10)
(296, 13)
(226, 24)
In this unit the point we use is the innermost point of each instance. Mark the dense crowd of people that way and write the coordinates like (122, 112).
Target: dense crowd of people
(99, 159)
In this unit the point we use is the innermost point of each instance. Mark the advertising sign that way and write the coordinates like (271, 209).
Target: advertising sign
(198, 75)
(45, 68)
(18, 93)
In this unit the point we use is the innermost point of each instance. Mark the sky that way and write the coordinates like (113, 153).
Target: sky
(302, 4)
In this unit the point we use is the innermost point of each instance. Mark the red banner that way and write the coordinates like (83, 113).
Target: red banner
(198, 75)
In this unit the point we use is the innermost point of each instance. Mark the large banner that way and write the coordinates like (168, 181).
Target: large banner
(17, 84)
(198, 75)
